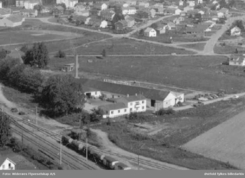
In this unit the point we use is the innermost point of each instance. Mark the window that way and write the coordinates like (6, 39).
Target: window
(125, 110)
(111, 112)
(96, 92)
(118, 111)
(143, 102)
(143, 107)
(137, 103)
(131, 109)
(130, 103)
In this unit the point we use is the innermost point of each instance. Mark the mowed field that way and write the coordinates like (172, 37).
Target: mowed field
(225, 142)
(127, 47)
(190, 72)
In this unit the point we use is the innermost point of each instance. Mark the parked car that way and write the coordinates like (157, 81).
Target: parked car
(14, 110)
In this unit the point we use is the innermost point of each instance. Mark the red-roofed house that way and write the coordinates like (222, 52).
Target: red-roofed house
(12, 21)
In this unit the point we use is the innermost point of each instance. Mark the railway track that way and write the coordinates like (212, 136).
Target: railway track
(142, 161)
(83, 162)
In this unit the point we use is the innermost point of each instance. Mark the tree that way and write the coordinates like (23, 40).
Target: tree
(85, 119)
(38, 7)
(103, 53)
(60, 54)
(3, 53)
(37, 56)
(24, 48)
(62, 95)
(5, 130)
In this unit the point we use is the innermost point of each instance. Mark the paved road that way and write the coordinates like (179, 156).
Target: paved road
(209, 47)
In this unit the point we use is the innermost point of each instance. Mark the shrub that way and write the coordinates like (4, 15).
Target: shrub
(162, 112)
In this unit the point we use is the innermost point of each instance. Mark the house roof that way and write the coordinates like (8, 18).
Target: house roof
(124, 89)
(15, 18)
(123, 22)
(3, 158)
(5, 11)
(198, 28)
(113, 106)
(130, 99)
(149, 29)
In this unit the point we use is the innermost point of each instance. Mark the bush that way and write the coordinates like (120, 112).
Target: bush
(162, 112)
(60, 54)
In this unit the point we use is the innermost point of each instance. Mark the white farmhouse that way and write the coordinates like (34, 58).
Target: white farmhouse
(104, 24)
(68, 3)
(6, 164)
(178, 12)
(27, 4)
(150, 32)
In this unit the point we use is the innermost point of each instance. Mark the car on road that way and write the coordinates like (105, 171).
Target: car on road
(14, 110)
(22, 113)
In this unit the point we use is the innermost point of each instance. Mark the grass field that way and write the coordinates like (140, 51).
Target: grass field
(127, 47)
(197, 46)
(225, 142)
(190, 72)
(225, 49)
(180, 128)
(29, 36)
(176, 37)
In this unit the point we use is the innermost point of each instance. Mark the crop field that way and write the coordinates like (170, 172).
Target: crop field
(127, 47)
(224, 142)
(197, 46)
(190, 72)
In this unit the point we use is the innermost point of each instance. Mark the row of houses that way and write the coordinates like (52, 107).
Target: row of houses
(129, 99)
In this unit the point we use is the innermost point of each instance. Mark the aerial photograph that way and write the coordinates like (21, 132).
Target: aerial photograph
(122, 85)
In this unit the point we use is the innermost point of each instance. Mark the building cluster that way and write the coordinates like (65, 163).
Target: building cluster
(192, 17)
(125, 99)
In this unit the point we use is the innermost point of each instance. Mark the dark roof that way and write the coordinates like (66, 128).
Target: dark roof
(124, 89)
(113, 106)
(130, 98)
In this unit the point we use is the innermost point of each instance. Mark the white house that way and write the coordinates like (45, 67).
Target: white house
(220, 14)
(191, 3)
(188, 8)
(178, 11)
(129, 10)
(124, 106)
(68, 3)
(89, 92)
(104, 24)
(150, 32)
(6, 164)
(181, 3)
(28, 4)
(237, 60)
(235, 31)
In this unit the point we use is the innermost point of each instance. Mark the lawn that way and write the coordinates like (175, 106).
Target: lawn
(197, 46)
(180, 128)
(224, 49)
(127, 47)
(189, 72)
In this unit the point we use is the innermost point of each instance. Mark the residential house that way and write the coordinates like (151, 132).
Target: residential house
(80, 9)
(191, 3)
(235, 31)
(237, 60)
(220, 14)
(144, 4)
(161, 28)
(156, 99)
(130, 21)
(159, 10)
(27, 4)
(121, 25)
(176, 21)
(94, 21)
(12, 21)
(171, 26)
(131, 2)
(6, 164)
(198, 29)
(150, 32)
(107, 14)
(181, 3)
(188, 8)
(169, 11)
(225, 11)
(129, 10)
(91, 93)
(28, 13)
(104, 24)
(70, 4)
(100, 5)
(177, 11)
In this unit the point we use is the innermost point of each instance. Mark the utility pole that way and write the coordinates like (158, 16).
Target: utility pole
(60, 150)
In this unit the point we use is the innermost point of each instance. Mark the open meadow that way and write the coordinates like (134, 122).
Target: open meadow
(190, 72)
(224, 142)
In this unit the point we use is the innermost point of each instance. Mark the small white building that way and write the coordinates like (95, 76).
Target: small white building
(178, 12)
(104, 24)
(181, 3)
(7, 164)
(191, 3)
(129, 10)
(92, 93)
(220, 14)
(235, 31)
(150, 32)
(237, 60)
